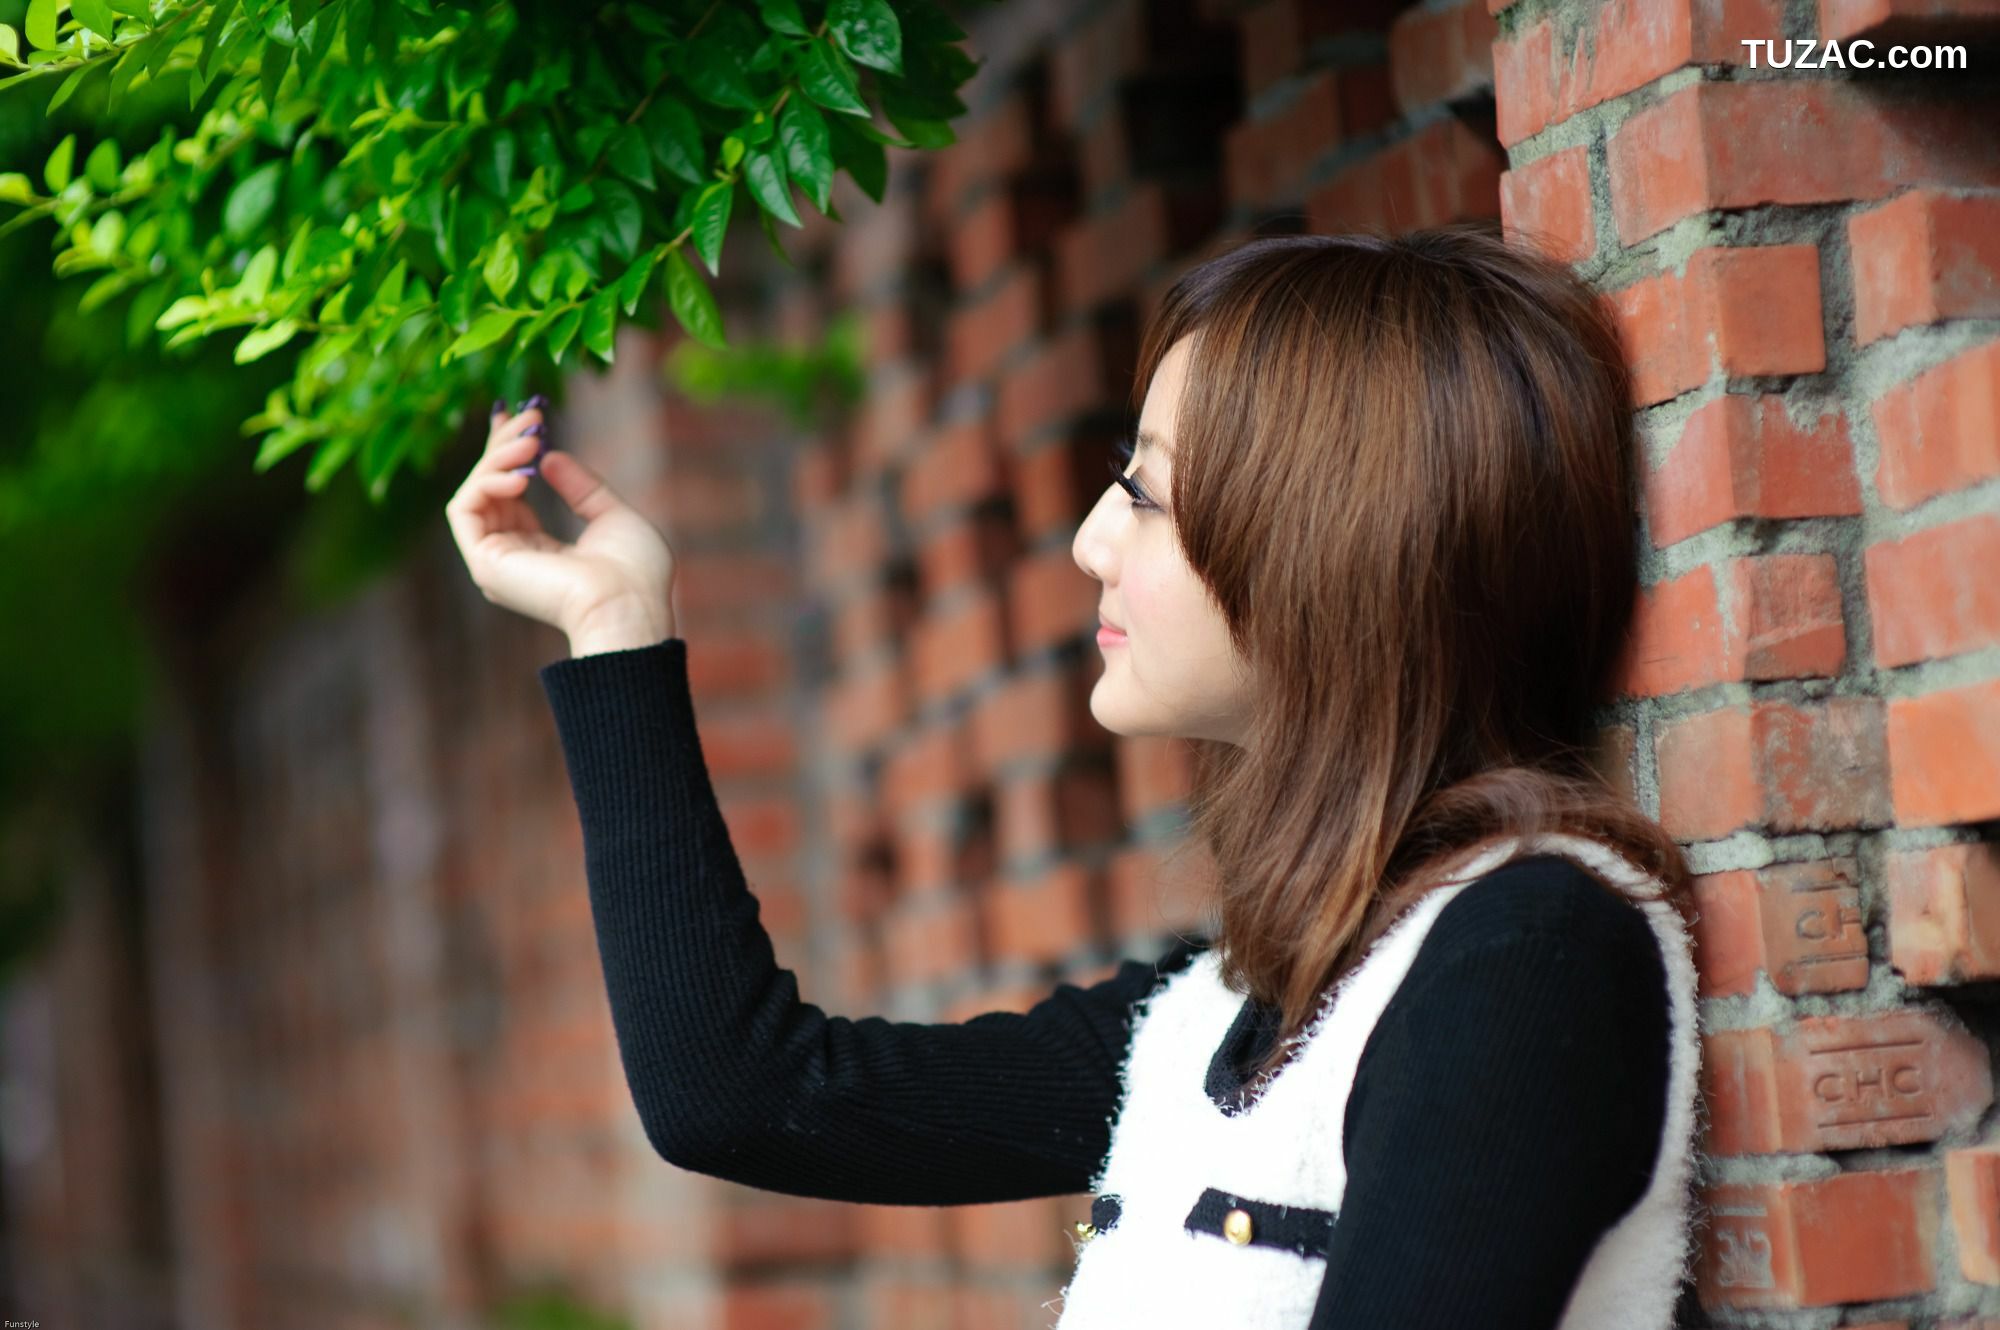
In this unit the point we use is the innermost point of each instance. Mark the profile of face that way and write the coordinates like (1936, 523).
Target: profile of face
(1174, 670)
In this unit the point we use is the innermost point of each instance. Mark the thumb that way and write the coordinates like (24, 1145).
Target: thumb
(580, 487)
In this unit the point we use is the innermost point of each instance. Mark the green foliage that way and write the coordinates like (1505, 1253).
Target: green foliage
(554, 1308)
(806, 381)
(408, 204)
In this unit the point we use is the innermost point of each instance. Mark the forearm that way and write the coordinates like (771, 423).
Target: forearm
(731, 1073)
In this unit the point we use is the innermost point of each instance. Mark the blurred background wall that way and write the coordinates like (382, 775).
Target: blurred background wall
(321, 1039)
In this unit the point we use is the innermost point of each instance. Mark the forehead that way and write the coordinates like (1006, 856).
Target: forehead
(1163, 394)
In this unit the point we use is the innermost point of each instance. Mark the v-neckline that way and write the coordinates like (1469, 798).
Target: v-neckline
(1250, 1036)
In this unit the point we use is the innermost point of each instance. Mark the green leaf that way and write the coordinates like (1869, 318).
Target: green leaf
(631, 158)
(770, 229)
(808, 150)
(95, 15)
(40, 24)
(263, 341)
(55, 171)
(103, 289)
(10, 44)
(600, 323)
(783, 16)
(732, 152)
(101, 166)
(487, 329)
(455, 300)
(503, 265)
(14, 188)
(714, 68)
(618, 209)
(860, 157)
(251, 201)
(765, 174)
(493, 169)
(563, 331)
(692, 302)
(185, 310)
(868, 31)
(257, 275)
(632, 286)
(67, 87)
(211, 37)
(711, 220)
(675, 139)
(829, 80)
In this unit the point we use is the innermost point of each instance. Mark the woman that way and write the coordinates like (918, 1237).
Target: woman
(1374, 556)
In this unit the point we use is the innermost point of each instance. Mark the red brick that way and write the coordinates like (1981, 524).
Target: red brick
(997, 144)
(1741, 456)
(1626, 45)
(1276, 35)
(886, 424)
(1444, 172)
(1547, 204)
(1265, 160)
(1944, 913)
(876, 249)
(1042, 920)
(973, 547)
(1944, 755)
(1072, 806)
(1050, 600)
(1772, 616)
(756, 1230)
(1972, 1182)
(1923, 257)
(1940, 431)
(1020, 1235)
(1817, 767)
(1148, 901)
(864, 709)
(1801, 924)
(1110, 253)
(979, 336)
(930, 766)
(1842, 1083)
(930, 936)
(1063, 379)
(1934, 594)
(955, 646)
(1037, 715)
(777, 1307)
(961, 467)
(1745, 311)
(1734, 145)
(1862, 1236)
(1441, 55)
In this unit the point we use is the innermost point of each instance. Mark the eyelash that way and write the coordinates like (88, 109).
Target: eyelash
(1122, 457)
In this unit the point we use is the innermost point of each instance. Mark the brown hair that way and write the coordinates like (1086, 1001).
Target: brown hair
(1405, 469)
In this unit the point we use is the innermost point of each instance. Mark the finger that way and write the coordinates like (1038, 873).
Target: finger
(580, 487)
(509, 446)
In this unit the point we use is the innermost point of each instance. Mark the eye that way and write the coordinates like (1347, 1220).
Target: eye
(1121, 458)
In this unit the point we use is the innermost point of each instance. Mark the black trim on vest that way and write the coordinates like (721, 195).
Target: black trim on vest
(1298, 1229)
(1251, 1035)
(1104, 1212)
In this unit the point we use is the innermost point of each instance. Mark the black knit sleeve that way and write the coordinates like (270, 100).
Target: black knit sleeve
(1507, 1110)
(732, 1074)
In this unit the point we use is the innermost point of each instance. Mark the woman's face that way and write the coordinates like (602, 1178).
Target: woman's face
(1174, 670)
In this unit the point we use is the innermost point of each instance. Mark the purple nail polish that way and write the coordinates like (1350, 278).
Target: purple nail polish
(534, 429)
(538, 400)
(528, 470)
(499, 406)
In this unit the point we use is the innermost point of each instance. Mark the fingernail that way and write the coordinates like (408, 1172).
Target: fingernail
(538, 400)
(499, 405)
(527, 470)
(535, 428)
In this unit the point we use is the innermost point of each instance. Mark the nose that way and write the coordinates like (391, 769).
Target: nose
(1091, 549)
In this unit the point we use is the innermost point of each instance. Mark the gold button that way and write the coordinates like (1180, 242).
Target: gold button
(1236, 1227)
(1084, 1231)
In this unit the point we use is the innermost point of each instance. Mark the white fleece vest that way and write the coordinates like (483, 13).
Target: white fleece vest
(1171, 1144)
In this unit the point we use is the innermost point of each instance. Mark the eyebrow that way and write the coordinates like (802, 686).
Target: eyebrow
(1149, 439)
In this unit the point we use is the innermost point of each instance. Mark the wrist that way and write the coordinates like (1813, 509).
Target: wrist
(620, 627)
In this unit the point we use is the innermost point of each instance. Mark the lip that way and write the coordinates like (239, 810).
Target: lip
(1109, 636)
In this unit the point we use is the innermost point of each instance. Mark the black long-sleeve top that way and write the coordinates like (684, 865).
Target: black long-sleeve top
(1507, 1110)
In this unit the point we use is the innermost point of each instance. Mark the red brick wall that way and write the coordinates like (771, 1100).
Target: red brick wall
(1809, 297)
(388, 1075)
